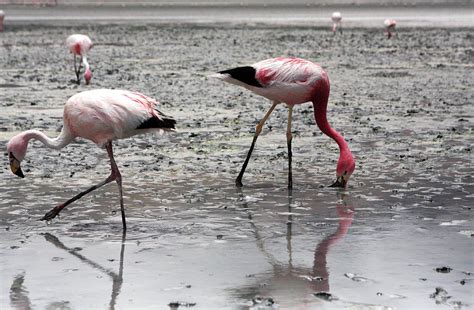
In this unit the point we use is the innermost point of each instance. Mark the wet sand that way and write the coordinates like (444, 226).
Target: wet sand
(399, 237)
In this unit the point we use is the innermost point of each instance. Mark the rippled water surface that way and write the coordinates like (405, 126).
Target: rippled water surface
(399, 237)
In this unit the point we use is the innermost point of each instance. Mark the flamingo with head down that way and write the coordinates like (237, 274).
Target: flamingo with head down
(390, 27)
(292, 81)
(79, 45)
(336, 19)
(2, 16)
(102, 116)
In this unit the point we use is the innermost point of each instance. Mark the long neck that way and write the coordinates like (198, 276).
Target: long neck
(84, 61)
(57, 143)
(320, 103)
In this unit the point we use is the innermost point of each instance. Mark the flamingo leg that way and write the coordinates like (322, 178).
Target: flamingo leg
(76, 70)
(289, 137)
(258, 130)
(114, 175)
(118, 179)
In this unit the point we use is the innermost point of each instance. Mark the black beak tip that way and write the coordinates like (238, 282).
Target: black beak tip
(20, 173)
(337, 184)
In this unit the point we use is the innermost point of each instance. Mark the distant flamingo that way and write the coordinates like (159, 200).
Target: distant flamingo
(291, 81)
(390, 27)
(2, 16)
(101, 115)
(79, 45)
(336, 19)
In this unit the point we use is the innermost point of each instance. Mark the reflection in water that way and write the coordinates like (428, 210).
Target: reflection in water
(287, 282)
(18, 293)
(320, 268)
(117, 279)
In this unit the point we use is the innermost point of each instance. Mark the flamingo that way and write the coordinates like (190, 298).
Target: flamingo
(79, 45)
(2, 16)
(291, 81)
(102, 116)
(389, 26)
(336, 19)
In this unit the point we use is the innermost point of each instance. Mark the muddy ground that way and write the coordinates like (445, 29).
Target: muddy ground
(401, 235)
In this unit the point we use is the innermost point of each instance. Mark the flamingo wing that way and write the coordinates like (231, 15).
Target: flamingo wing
(282, 79)
(79, 44)
(103, 115)
(286, 71)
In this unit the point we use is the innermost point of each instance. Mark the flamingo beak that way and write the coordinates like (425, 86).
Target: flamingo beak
(15, 166)
(340, 182)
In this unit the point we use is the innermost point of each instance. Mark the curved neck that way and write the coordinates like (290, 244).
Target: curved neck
(320, 103)
(57, 143)
(84, 61)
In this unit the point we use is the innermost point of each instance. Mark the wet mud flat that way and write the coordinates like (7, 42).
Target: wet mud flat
(399, 237)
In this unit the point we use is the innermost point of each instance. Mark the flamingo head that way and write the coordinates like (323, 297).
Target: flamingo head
(344, 170)
(88, 76)
(16, 149)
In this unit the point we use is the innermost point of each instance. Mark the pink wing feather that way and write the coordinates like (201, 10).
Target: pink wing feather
(104, 114)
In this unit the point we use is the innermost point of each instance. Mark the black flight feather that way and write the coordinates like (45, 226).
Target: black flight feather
(244, 74)
(164, 121)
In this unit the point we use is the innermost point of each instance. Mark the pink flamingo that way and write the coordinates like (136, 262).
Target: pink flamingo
(79, 45)
(101, 115)
(336, 19)
(291, 81)
(2, 16)
(390, 27)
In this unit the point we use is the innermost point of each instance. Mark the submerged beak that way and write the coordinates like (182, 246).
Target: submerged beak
(340, 182)
(15, 166)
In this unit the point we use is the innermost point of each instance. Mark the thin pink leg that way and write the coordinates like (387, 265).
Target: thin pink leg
(114, 175)
(118, 179)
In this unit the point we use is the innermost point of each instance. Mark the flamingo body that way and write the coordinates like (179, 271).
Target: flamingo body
(288, 80)
(390, 23)
(101, 116)
(79, 44)
(104, 115)
(292, 81)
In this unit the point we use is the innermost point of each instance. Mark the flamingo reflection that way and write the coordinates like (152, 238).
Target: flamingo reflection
(117, 278)
(291, 284)
(19, 294)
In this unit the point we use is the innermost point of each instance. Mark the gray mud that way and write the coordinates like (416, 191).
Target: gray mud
(401, 236)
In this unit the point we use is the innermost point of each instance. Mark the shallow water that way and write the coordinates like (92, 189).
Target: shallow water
(402, 229)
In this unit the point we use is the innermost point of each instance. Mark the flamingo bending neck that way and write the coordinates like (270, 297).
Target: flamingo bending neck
(57, 143)
(320, 103)
(84, 61)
